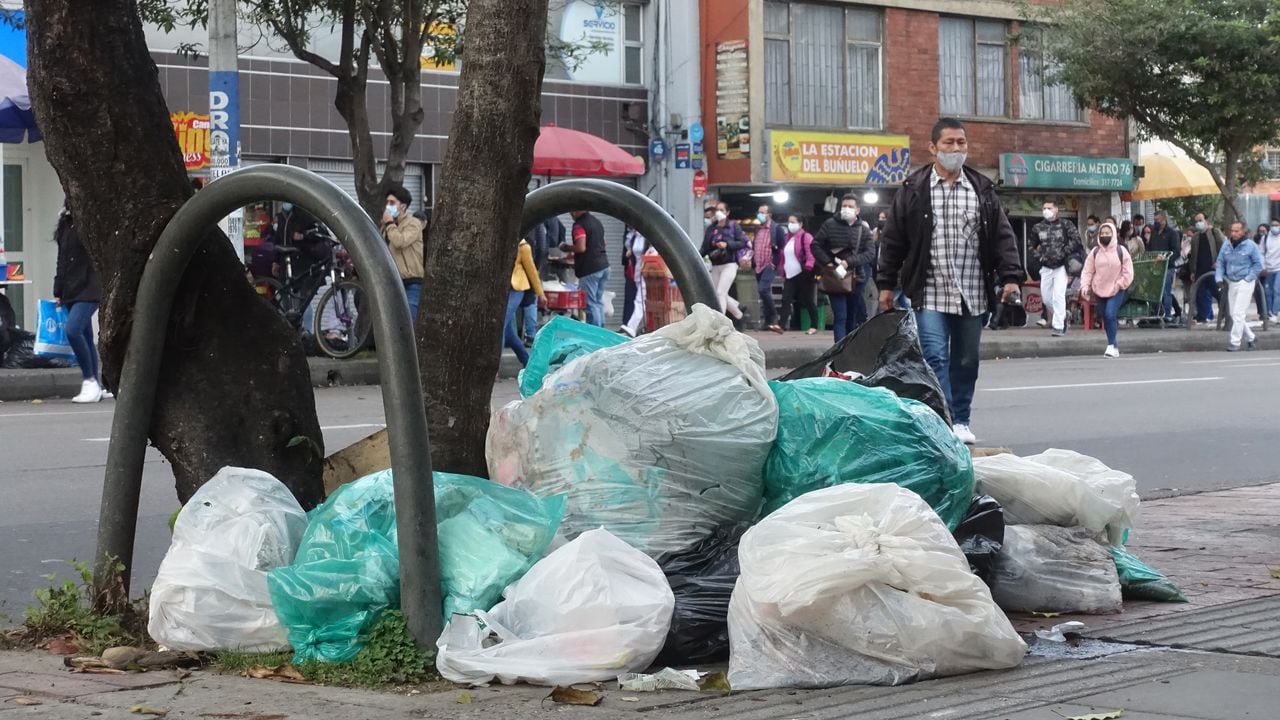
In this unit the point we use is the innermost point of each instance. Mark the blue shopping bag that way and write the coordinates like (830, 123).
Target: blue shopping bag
(51, 332)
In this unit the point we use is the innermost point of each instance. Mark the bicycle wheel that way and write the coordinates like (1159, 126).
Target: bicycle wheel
(343, 320)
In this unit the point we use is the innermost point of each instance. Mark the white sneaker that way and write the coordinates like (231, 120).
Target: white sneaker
(90, 392)
(1111, 352)
(963, 434)
(1042, 323)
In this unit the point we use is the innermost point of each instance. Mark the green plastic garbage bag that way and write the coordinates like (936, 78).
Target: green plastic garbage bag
(832, 431)
(558, 342)
(1140, 581)
(347, 569)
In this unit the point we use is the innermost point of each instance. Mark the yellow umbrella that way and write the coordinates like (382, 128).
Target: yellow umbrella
(1170, 177)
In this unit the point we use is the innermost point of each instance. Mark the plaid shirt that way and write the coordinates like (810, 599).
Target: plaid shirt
(762, 248)
(954, 283)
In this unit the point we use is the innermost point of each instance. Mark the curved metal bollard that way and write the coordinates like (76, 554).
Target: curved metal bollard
(397, 364)
(619, 201)
(1224, 310)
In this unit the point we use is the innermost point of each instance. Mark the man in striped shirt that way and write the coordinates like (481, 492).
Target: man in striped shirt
(947, 244)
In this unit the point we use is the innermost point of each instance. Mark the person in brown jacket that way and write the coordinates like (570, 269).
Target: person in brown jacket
(403, 232)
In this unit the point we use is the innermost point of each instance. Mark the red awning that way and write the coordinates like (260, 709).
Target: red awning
(1274, 197)
(561, 151)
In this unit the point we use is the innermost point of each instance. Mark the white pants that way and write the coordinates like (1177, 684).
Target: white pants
(1053, 292)
(722, 276)
(637, 315)
(1239, 299)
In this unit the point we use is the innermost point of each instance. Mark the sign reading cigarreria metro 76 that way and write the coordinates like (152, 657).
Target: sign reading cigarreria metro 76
(1066, 172)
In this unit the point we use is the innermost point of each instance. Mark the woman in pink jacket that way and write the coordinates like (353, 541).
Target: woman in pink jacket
(797, 273)
(1108, 272)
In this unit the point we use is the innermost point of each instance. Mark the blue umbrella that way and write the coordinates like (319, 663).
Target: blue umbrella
(17, 121)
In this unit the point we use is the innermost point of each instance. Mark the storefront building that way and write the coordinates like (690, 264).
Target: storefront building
(817, 99)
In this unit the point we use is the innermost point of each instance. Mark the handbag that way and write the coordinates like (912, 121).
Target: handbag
(832, 284)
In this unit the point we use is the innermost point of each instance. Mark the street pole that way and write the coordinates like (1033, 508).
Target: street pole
(224, 107)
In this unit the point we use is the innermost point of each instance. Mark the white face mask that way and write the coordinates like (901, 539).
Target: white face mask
(1275, 229)
(706, 221)
(762, 218)
(1049, 214)
(952, 161)
(393, 211)
(721, 216)
(795, 228)
(848, 213)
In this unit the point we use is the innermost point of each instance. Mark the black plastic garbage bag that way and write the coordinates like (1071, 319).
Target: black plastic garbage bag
(885, 351)
(702, 579)
(981, 535)
(21, 353)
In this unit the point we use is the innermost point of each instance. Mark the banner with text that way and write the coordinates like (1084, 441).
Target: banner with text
(838, 159)
(1066, 172)
(193, 137)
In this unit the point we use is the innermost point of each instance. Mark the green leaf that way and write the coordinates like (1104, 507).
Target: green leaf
(1275, 573)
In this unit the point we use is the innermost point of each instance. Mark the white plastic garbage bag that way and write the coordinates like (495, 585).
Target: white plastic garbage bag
(1046, 568)
(211, 590)
(859, 584)
(590, 611)
(1060, 487)
(660, 440)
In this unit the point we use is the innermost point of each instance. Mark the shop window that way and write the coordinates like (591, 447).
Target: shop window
(823, 66)
(1039, 98)
(972, 62)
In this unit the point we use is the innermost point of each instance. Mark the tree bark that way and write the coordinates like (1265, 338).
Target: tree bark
(234, 384)
(476, 224)
(1231, 174)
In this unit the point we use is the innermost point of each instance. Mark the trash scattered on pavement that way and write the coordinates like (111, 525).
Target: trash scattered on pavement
(1057, 569)
(1059, 632)
(715, 682)
(280, 673)
(1140, 581)
(573, 696)
(980, 535)
(659, 440)
(147, 710)
(489, 536)
(832, 431)
(464, 698)
(1111, 715)
(665, 679)
(860, 584)
(590, 611)
(119, 660)
(211, 589)
(559, 342)
(25, 700)
(1275, 573)
(702, 579)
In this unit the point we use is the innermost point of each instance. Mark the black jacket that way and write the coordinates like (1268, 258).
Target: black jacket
(1165, 239)
(839, 240)
(732, 236)
(76, 280)
(906, 244)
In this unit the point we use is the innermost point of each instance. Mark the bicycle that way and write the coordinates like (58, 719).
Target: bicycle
(339, 323)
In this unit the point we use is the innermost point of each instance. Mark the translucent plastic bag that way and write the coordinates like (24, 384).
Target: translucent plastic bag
(1060, 487)
(1047, 568)
(1140, 581)
(660, 440)
(590, 611)
(860, 584)
(348, 566)
(558, 342)
(211, 590)
(833, 431)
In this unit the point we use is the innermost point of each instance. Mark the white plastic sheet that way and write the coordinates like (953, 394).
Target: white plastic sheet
(860, 584)
(1046, 568)
(211, 590)
(590, 611)
(1060, 487)
(660, 440)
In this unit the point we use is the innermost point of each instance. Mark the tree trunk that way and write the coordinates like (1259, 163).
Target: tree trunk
(476, 223)
(234, 387)
(1231, 177)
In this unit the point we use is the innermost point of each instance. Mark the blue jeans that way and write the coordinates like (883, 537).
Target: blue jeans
(901, 301)
(1205, 296)
(764, 288)
(594, 285)
(412, 291)
(529, 307)
(950, 345)
(1271, 290)
(510, 337)
(1109, 309)
(848, 312)
(1167, 301)
(80, 337)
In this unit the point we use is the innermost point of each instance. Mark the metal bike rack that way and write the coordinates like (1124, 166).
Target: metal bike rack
(1224, 310)
(397, 365)
(638, 211)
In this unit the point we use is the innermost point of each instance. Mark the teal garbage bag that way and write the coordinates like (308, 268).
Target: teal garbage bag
(832, 432)
(347, 568)
(558, 342)
(1140, 581)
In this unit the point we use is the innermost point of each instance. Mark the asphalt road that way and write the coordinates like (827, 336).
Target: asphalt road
(1177, 422)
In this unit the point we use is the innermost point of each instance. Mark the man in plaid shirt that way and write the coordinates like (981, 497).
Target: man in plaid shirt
(947, 244)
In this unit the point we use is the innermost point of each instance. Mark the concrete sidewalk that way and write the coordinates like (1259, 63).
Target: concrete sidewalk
(781, 351)
(1215, 658)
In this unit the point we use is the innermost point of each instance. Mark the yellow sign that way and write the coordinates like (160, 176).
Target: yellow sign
(193, 137)
(799, 156)
(439, 47)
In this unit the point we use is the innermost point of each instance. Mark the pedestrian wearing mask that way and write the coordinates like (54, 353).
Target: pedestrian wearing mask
(1091, 224)
(720, 244)
(403, 233)
(1271, 269)
(768, 242)
(1165, 239)
(1239, 264)
(842, 247)
(1131, 240)
(1205, 245)
(1108, 273)
(1054, 241)
(797, 274)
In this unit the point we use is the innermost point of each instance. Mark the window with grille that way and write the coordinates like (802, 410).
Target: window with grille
(1039, 97)
(972, 62)
(824, 65)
